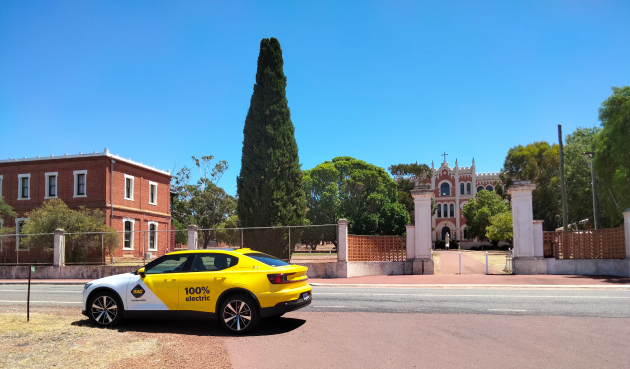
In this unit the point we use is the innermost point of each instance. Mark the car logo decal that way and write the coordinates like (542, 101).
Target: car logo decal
(137, 291)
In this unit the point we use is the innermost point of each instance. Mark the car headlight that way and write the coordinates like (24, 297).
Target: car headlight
(86, 286)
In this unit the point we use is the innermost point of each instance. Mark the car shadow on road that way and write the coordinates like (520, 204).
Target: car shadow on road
(198, 327)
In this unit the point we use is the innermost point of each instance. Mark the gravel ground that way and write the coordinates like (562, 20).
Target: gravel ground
(65, 338)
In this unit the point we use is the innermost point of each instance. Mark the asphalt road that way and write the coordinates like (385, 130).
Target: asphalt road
(361, 328)
(539, 302)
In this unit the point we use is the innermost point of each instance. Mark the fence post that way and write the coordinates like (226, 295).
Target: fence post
(460, 263)
(59, 250)
(193, 236)
(342, 240)
(626, 231)
(524, 261)
(422, 195)
(486, 262)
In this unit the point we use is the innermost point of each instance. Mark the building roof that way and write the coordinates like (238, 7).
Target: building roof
(105, 153)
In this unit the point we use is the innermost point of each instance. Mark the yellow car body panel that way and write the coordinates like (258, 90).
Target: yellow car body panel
(199, 291)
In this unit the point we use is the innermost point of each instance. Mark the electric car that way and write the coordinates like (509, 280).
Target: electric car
(237, 286)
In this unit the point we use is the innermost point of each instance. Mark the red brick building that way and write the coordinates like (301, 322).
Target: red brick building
(134, 196)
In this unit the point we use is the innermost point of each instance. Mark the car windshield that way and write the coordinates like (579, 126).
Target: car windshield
(267, 259)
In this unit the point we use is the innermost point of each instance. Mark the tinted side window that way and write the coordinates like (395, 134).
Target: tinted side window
(167, 264)
(267, 259)
(212, 262)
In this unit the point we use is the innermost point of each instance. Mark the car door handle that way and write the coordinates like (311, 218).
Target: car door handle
(170, 280)
(219, 278)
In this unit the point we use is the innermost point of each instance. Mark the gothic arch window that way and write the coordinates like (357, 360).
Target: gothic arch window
(445, 189)
(439, 211)
(461, 188)
(468, 188)
(479, 188)
(452, 211)
(489, 188)
(465, 233)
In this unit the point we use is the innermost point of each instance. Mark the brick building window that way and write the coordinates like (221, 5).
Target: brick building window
(24, 186)
(467, 188)
(153, 236)
(479, 188)
(51, 185)
(439, 211)
(452, 211)
(129, 187)
(1, 178)
(489, 188)
(152, 193)
(128, 226)
(461, 188)
(445, 189)
(80, 180)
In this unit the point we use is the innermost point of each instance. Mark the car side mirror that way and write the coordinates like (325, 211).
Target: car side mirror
(141, 272)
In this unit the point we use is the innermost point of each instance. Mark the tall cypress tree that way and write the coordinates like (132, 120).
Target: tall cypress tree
(269, 186)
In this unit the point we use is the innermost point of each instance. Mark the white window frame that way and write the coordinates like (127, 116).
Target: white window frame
(156, 189)
(17, 231)
(1, 179)
(133, 228)
(48, 175)
(76, 183)
(127, 176)
(20, 176)
(156, 236)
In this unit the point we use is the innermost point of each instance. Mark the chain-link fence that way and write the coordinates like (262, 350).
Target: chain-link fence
(298, 243)
(22, 249)
(286, 242)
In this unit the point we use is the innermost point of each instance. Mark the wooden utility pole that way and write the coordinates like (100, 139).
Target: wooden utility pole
(565, 224)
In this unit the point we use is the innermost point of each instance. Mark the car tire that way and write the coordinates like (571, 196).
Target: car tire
(105, 309)
(239, 314)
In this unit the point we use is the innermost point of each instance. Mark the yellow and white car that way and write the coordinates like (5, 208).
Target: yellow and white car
(237, 286)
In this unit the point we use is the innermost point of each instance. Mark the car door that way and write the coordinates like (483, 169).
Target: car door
(159, 288)
(210, 274)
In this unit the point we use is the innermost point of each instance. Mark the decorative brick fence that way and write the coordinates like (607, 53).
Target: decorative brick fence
(591, 244)
(377, 248)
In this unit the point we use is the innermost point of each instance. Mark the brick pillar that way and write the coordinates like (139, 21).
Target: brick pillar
(342, 240)
(59, 250)
(193, 236)
(523, 227)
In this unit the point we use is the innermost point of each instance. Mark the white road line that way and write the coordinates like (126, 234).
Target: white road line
(323, 306)
(505, 310)
(427, 295)
(41, 291)
(46, 302)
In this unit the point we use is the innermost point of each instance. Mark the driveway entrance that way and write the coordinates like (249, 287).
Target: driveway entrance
(473, 262)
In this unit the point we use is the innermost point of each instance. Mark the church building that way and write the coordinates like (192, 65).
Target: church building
(454, 187)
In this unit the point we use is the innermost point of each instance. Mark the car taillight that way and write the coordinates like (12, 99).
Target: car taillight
(279, 278)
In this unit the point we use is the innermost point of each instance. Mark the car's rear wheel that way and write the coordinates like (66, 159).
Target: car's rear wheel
(105, 309)
(239, 314)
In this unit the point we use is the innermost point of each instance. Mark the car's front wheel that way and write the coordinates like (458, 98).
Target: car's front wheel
(105, 309)
(239, 314)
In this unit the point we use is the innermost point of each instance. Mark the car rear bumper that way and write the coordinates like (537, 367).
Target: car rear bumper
(286, 306)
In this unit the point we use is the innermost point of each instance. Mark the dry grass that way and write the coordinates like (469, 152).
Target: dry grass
(63, 338)
(62, 341)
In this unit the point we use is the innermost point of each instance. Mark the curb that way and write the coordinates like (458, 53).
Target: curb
(472, 286)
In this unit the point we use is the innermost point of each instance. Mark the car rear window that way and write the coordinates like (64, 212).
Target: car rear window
(267, 259)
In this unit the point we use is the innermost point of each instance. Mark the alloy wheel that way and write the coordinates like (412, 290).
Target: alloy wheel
(237, 315)
(104, 309)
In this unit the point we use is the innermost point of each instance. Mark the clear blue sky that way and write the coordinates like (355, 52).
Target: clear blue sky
(386, 82)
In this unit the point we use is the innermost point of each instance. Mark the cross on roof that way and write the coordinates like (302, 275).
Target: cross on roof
(444, 156)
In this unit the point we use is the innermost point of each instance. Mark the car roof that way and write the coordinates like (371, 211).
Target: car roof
(214, 250)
